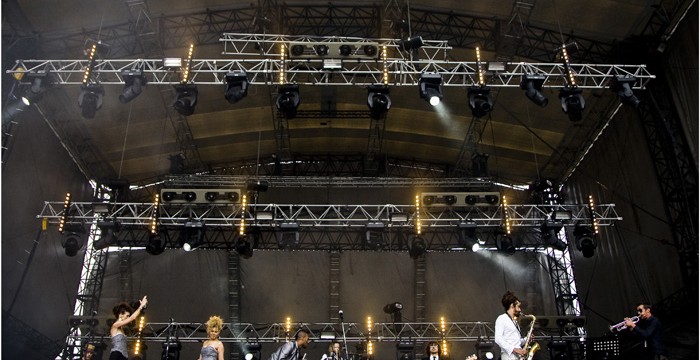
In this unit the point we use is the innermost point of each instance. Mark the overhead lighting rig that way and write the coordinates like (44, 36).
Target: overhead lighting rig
(480, 101)
(572, 102)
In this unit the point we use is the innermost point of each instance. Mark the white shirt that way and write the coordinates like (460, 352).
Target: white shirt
(508, 337)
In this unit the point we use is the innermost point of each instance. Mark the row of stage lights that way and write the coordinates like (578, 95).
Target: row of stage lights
(288, 99)
(192, 234)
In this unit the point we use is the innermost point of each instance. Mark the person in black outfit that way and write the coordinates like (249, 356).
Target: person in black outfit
(432, 351)
(649, 328)
(290, 350)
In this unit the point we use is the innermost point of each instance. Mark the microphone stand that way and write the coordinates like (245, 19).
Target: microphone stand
(345, 339)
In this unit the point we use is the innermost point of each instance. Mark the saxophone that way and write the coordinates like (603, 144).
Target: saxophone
(530, 346)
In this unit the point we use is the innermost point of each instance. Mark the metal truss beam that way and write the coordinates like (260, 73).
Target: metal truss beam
(330, 165)
(228, 216)
(358, 73)
(461, 30)
(311, 181)
(355, 332)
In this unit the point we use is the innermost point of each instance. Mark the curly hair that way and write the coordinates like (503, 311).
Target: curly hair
(508, 299)
(121, 308)
(215, 322)
(427, 347)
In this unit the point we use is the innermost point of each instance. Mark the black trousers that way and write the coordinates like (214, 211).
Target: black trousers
(116, 355)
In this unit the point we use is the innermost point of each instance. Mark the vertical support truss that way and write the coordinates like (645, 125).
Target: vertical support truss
(419, 286)
(89, 291)
(511, 36)
(562, 276)
(334, 286)
(471, 139)
(676, 174)
(532, 292)
(374, 145)
(147, 37)
(234, 295)
(125, 279)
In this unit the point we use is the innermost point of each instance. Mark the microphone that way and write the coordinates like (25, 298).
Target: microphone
(340, 315)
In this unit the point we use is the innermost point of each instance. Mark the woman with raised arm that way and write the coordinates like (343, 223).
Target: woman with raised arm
(213, 348)
(125, 314)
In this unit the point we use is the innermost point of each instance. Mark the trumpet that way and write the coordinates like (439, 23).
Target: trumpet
(621, 325)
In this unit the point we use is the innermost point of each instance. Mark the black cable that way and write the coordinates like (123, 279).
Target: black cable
(26, 269)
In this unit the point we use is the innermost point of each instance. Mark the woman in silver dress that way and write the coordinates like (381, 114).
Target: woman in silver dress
(213, 348)
(125, 315)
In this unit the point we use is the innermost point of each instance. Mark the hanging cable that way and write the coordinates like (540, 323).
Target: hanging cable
(126, 134)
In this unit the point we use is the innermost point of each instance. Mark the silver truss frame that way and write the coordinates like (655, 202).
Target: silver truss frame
(324, 216)
(258, 56)
(354, 332)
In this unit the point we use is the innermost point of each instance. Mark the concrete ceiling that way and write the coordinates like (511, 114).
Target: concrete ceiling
(524, 141)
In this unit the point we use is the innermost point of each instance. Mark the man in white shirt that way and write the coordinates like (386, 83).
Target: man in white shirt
(507, 329)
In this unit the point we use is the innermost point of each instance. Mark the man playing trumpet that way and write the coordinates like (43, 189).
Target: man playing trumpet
(649, 328)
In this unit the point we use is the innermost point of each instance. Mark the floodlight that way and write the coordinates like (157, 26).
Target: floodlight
(90, 99)
(72, 239)
(622, 85)
(586, 241)
(549, 231)
(288, 236)
(288, 100)
(236, 86)
(108, 234)
(467, 236)
(430, 87)
(378, 100)
(480, 101)
(418, 247)
(156, 243)
(411, 43)
(134, 80)
(572, 102)
(192, 235)
(185, 99)
(505, 243)
(374, 235)
(532, 84)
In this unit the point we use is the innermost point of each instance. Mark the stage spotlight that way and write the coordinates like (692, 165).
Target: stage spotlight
(480, 162)
(288, 236)
(505, 243)
(572, 102)
(297, 50)
(586, 241)
(480, 101)
(549, 231)
(345, 50)
(404, 350)
(288, 100)
(369, 50)
(252, 351)
(133, 83)
(232, 196)
(374, 235)
(411, 43)
(171, 349)
(90, 99)
(430, 88)
(244, 246)
(236, 86)
(395, 310)
(185, 99)
(15, 108)
(156, 243)
(189, 196)
(559, 350)
(378, 100)
(467, 236)
(192, 235)
(622, 85)
(532, 84)
(418, 247)
(321, 50)
(72, 239)
(484, 349)
(108, 234)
